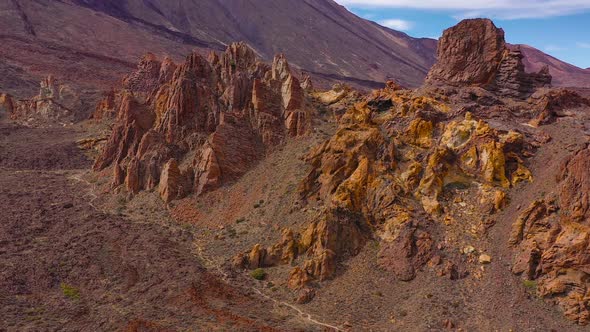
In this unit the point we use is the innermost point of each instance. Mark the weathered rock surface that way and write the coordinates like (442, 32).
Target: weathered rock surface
(338, 99)
(474, 53)
(54, 102)
(552, 241)
(6, 105)
(106, 108)
(556, 103)
(215, 117)
(393, 172)
(469, 53)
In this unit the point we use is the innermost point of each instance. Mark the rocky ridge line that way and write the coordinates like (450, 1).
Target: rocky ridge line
(193, 127)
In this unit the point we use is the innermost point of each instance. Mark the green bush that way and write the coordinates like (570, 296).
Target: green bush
(531, 285)
(70, 291)
(258, 274)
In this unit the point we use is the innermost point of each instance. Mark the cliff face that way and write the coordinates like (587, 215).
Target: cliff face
(474, 53)
(194, 126)
(469, 53)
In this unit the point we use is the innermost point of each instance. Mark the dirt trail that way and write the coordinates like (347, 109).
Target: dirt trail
(66, 266)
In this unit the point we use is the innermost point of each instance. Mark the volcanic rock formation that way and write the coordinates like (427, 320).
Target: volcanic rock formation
(552, 241)
(556, 103)
(54, 102)
(6, 104)
(416, 170)
(393, 172)
(195, 126)
(474, 53)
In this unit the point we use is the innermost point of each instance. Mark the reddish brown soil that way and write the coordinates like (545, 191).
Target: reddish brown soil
(66, 266)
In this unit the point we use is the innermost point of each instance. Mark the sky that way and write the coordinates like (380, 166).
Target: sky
(560, 28)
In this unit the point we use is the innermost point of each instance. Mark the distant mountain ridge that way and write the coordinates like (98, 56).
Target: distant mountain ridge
(564, 74)
(93, 43)
(320, 37)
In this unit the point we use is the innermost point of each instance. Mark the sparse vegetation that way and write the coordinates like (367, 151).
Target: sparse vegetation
(530, 285)
(70, 292)
(375, 244)
(119, 211)
(231, 232)
(258, 274)
(188, 227)
(240, 220)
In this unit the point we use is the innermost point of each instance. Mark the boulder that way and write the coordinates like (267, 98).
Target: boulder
(474, 53)
(409, 251)
(469, 53)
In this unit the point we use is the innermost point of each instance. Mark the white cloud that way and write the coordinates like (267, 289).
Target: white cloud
(583, 45)
(397, 24)
(502, 9)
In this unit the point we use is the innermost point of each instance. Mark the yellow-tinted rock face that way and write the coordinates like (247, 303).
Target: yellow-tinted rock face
(420, 133)
(392, 170)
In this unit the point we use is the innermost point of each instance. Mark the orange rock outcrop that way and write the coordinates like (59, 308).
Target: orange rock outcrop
(552, 241)
(192, 127)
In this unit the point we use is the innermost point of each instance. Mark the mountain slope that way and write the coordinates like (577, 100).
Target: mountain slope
(564, 74)
(319, 36)
(95, 42)
(73, 43)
